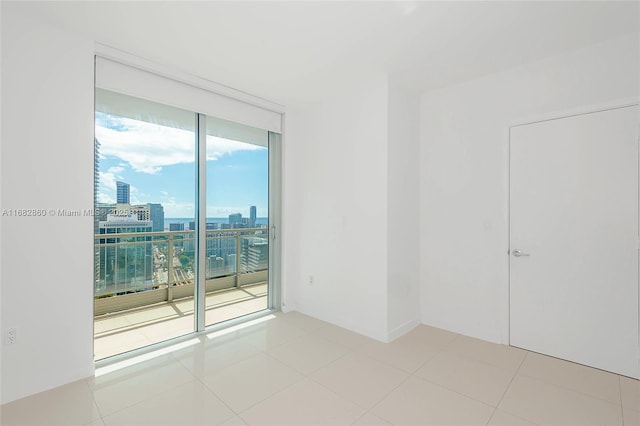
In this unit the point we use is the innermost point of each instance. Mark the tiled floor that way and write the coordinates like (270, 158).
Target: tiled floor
(124, 331)
(290, 369)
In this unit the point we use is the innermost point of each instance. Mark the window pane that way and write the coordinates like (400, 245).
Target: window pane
(145, 201)
(237, 200)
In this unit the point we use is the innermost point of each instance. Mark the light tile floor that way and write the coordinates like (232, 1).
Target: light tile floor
(291, 369)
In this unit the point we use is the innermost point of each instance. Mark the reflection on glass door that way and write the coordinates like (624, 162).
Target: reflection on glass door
(144, 223)
(237, 220)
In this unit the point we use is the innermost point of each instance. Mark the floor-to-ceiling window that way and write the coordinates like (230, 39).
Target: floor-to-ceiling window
(184, 216)
(237, 226)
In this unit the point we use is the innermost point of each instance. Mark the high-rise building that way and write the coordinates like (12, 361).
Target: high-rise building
(252, 216)
(210, 225)
(96, 219)
(157, 216)
(176, 227)
(96, 171)
(96, 183)
(122, 192)
(235, 218)
(143, 211)
(216, 267)
(124, 267)
(255, 254)
(100, 213)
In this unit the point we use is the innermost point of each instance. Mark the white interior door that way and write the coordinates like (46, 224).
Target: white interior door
(574, 239)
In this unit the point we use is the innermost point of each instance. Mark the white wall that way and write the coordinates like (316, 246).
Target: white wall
(403, 221)
(464, 159)
(47, 163)
(335, 208)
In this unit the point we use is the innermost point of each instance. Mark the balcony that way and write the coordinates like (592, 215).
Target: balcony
(144, 283)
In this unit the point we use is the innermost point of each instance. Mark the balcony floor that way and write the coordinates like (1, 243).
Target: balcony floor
(124, 331)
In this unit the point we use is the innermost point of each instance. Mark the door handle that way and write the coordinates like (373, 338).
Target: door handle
(518, 253)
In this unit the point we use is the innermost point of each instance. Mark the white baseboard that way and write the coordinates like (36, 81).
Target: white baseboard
(402, 329)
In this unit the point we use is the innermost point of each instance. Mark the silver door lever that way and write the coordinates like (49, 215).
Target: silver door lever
(518, 253)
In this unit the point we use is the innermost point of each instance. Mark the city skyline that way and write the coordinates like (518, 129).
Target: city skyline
(158, 164)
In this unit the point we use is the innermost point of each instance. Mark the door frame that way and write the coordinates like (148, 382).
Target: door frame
(532, 119)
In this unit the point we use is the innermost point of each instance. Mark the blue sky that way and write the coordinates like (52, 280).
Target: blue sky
(159, 164)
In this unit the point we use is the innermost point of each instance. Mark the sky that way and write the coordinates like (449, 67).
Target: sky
(159, 164)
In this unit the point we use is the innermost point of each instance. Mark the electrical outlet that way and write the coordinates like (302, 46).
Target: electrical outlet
(11, 336)
(310, 279)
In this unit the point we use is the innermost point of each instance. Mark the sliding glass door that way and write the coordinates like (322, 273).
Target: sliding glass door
(145, 199)
(164, 265)
(237, 224)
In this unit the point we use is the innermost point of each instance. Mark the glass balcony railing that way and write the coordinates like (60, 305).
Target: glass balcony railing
(137, 269)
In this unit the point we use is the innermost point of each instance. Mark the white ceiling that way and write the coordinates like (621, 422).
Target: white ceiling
(297, 51)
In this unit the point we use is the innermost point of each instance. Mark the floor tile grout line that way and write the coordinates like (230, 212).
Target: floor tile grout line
(358, 352)
(238, 413)
(149, 397)
(336, 343)
(413, 375)
(218, 396)
(485, 362)
(339, 396)
(358, 419)
(233, 363)
(354, 402)
(330, 363)
(387, 363)
(368, 412)
(349, 347)
(385, 397)
(431, 358)
(566, 388)
(174, 361)
(453, 391)
(557, 386)
(95, 402)
(410, 372)
(515, 374)
(310, 335)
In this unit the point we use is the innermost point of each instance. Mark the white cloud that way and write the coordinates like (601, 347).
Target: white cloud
(135, 197)
(148, 147)
(217, 147)
(105, 198)
(108, 180)
(173, 208)
(108, 188)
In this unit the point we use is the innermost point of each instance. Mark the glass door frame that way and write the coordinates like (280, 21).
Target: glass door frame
(274, 294)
